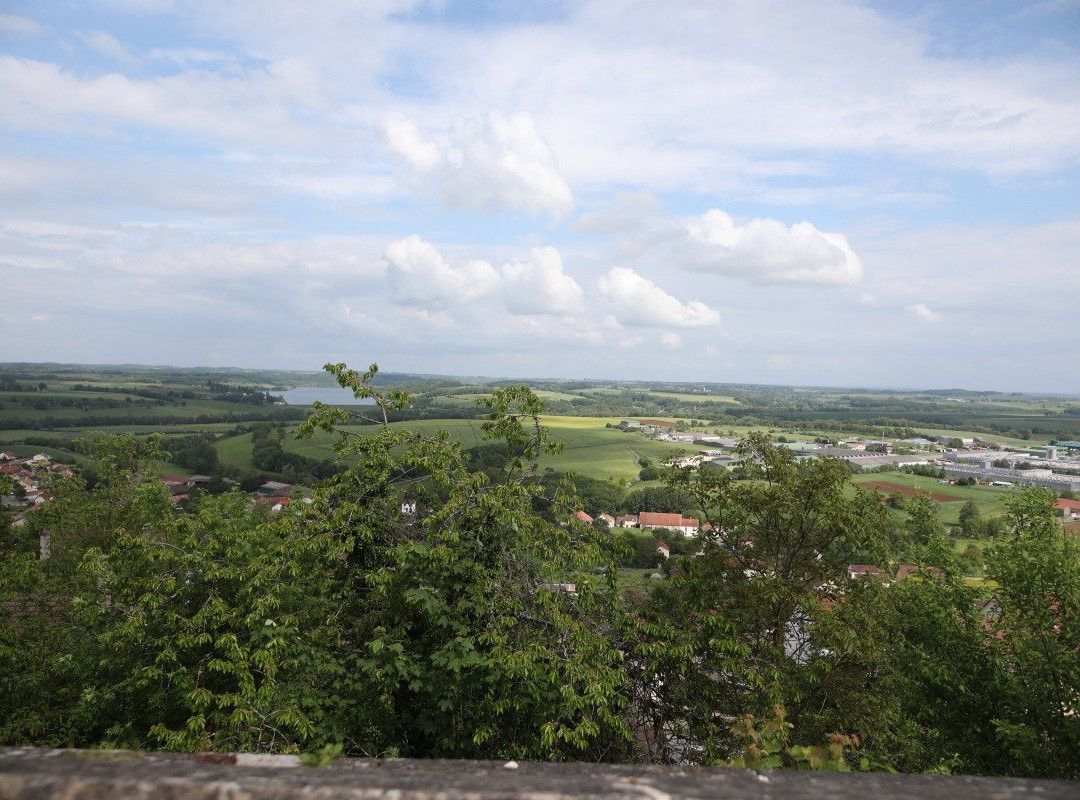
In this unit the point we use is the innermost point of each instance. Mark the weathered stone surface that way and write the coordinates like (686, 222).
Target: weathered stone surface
(34, 774)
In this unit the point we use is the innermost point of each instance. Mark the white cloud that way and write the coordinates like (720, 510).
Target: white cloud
(671, 340)
(780, 361)
(11, 23)
(622, 216)
(489, 164)
(406, 140)
(418, 275)
(269, 105)
(107, 45)
(767, 251)
(641, 303)
(923, 312)
(727, 85)
(538, 285)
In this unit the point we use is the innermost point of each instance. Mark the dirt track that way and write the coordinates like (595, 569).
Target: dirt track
(907, 491)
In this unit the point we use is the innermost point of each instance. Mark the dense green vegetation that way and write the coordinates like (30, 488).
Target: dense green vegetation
(490, 624)
(77, 396)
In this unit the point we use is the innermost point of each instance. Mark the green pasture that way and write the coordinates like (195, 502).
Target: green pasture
(636, 577)
(987, 498)
(690, 397)
(28, 450)
(469, 399)
(190, 410)
(175, 429)
(169, 468)
(457, 400)
(546, 394)
(235, 451)
(603, 391)
(589, 448)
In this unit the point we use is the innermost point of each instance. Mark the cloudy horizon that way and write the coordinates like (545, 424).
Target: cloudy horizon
(835, 194)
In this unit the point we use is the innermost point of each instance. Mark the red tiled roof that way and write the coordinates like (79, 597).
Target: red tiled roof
(666, 520)
(907, 570)
(1060, 505)
(583, 516)
(863, 569)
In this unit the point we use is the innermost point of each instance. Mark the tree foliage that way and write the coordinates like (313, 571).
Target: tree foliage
(486, 622)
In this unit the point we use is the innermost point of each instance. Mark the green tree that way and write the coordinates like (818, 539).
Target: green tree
(970, 519)
(742, 611)
(48, 656)
(465, 636)
(1036, 636)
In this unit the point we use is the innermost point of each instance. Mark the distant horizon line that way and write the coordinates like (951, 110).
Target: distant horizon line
(494, 378)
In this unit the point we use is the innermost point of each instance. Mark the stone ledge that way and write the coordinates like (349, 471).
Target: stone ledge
(38, 774)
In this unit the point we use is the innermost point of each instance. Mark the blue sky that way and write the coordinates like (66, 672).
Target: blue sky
(830, 193)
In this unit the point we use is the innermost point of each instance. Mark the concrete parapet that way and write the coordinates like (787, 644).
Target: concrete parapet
(37, 774)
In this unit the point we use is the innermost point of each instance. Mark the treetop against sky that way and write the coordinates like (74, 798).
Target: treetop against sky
(842, 193)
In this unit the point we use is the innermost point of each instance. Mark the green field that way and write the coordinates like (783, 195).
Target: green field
(235, 451)
(589, 448)
(987, 498)
(28, 450)
(469, 399)
(189, 410)
(697, 398)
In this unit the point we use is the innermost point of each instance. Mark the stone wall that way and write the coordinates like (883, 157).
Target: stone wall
(35, 774)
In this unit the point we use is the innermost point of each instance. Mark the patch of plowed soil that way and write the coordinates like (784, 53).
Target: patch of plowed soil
(890, 487)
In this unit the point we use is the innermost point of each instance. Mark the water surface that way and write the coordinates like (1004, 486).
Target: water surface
(306, 395)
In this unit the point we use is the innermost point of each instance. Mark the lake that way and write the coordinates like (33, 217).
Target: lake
(306, 395)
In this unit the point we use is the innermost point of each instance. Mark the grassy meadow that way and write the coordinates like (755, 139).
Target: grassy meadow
(986, 498)
(589, 447)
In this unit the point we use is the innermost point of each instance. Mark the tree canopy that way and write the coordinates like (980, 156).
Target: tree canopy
(482, 620)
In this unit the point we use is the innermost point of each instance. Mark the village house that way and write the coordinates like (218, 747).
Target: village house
(1067, 509)
(862, 571)
(910, 570)
(276, 488)
(651, 520)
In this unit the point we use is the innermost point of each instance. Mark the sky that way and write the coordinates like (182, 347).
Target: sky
(881, 194)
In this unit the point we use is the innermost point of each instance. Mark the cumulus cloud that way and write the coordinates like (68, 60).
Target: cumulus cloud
(641, 303)
(924, 312)
(492, 163)
(671, 340)
(418, 275)
(537, 284)
(767, 251)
